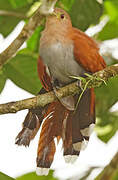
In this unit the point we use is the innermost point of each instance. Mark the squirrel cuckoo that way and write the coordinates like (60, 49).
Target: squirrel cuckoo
(64, 52)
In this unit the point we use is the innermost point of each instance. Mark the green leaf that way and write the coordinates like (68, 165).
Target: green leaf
(110, 30)
(22, 70)
(84, 13)
(115, 175)
(5, 5)
(8, 23)
(108, 94)
(19, 3)
(106, 132)
(33, 176)
(33, 42)
(106, 97)
(111, 9)
(2, 81)
(67, 5)
(5, 177)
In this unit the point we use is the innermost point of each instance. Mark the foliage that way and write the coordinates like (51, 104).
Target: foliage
(2, 80)
(8, 23)
(33, 176)
(5, 177)
(22, 69)
(29, 176)
(82, 13)
(110, 30)
(107, 120)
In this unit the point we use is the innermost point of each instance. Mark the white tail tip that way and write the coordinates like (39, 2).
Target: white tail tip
(70, 158)
(42, 171)
(84, 144)
(77, 146)
(91, 128)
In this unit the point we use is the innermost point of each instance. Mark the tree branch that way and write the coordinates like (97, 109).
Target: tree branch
(41, 100)
(12, 13)
(27, 30)
(109, 170)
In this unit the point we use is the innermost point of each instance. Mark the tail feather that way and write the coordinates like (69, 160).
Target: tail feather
(74, 127)
(83, 120)
(51, 128)
(31, 124)
(70, 154)
(45, 155)
(86, 109)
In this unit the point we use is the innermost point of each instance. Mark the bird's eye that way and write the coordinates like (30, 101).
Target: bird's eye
(62, 16)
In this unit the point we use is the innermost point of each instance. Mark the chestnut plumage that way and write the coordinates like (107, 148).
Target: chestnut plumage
(64, 52)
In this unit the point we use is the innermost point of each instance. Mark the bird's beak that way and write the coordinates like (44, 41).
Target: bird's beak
(55, 14)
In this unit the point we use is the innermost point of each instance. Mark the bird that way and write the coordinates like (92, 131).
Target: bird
(65, 52)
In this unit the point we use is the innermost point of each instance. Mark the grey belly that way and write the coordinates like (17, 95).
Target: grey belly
(61, 63)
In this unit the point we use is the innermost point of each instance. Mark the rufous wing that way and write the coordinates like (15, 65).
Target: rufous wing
(86, 52)
(44, 76)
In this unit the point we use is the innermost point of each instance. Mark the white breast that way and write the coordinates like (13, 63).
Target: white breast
(60, 61)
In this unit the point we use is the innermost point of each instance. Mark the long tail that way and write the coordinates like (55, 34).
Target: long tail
(31, 124)
(51, 128)
(73, 127)
(58, 122)
(83, 120)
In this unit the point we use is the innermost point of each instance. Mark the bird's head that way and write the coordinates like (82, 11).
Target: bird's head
(59, 18)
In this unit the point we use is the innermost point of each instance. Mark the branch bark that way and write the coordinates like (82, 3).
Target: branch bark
(12, 13)
(41, 100)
